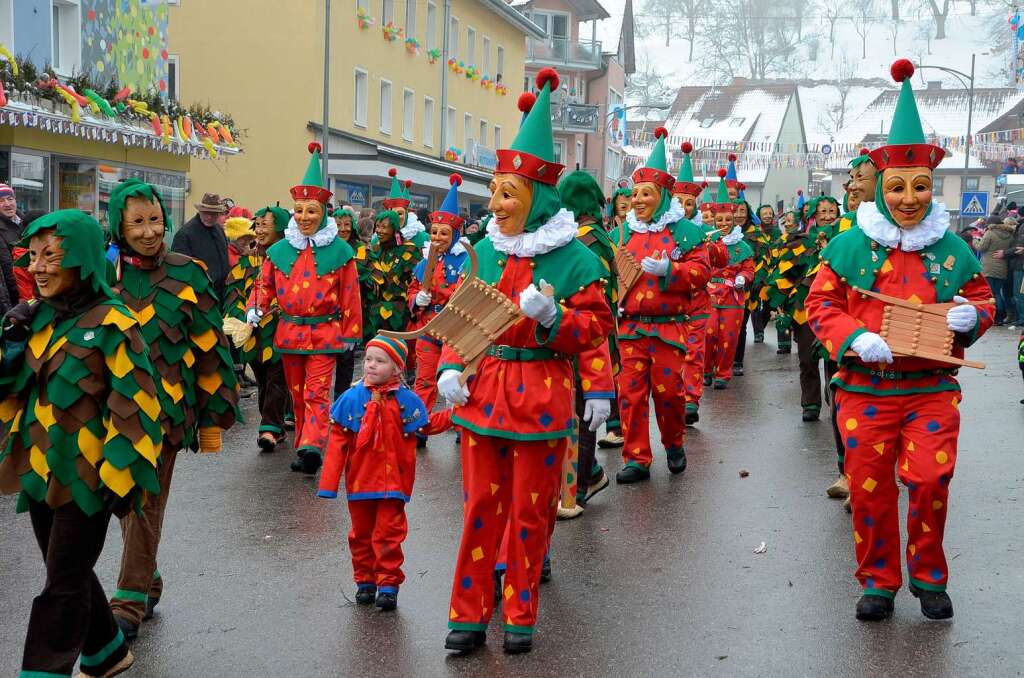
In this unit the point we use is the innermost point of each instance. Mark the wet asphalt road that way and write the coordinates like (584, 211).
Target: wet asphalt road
(658, 579)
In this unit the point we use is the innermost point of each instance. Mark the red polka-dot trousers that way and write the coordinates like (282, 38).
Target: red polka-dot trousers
(723, 329)
(650, 369)
(912, 437)
(310, 379)
(505, 483)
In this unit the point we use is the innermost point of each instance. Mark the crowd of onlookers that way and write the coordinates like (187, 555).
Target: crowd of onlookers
(999, 243)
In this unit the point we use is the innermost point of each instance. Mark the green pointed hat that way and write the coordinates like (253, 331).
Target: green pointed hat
(83, 245)
(399, 194)
(723, 203)
(312, 187)
(132, 188)
(656, 169)
(906, 145)
(684, 182)
(532, 153)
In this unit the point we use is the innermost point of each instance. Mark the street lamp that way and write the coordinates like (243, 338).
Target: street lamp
(968, 82)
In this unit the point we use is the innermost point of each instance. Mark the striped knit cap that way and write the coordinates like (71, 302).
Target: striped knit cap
(396, 349)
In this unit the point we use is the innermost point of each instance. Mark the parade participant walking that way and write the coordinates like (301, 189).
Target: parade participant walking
(727, 288)
(202, 238)
(618, 208)
(180, 321)
(762, 239)
(517, 412)
(80, 401)
(652, 327)
(345, 369)
(899, 415)
(398, 201)
(387, 275)
(750, 225)
(593, 369)
(258, 350)
(372, 442)
(427, 300)
(312, 278)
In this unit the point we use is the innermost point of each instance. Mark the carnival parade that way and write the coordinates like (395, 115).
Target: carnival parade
(661, 423)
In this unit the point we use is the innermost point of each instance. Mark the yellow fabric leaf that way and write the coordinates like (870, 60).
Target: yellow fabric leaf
(148, 448)
(206, 340)
(188, 294)
(56, 347)
(117, 318)
(90, 446)
(209, 382)
(189, 358)
(37, 344)
(119, 363)
(174, 390)
(9, 408)
(120, 481)
(145, 314)
(44, 413)
(38, 462)
(149, 404)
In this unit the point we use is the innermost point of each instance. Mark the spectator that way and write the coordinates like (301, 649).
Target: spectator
(11, 226)
(203, 238)
(1011, 166)
(993, 248)
(423, 214)
(1015, 268)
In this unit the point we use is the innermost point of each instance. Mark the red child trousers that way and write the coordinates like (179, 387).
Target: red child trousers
(505, 482)
(693, 361)
(723, 331)
(428, 355)
(651, 368)
(914, 435)
(379, 527)
(310, 380)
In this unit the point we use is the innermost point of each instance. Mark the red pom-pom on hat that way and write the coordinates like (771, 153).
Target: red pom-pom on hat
(865, 151)
(548, 76)
(742, 187)
(660, 133)
(901, 69)
(799, 191)
(393, 172)
(722, 172)
(703, 184)
(314, 147)
(687, 147)
(526, 101)
(732, 157)
(455, 179)
(408, 183)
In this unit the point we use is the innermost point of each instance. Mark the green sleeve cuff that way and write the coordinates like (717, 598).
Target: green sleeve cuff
(845, 346)
(966, 339)
(667, 278)
(545, 335)
(449, 366)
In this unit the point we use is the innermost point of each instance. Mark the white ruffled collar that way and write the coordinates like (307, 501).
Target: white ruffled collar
(559, 230)
(674, 213)
(413, 226)
(733, 236)
(874, 224)
(325, 236)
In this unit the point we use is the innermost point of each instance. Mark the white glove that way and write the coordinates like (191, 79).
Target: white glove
(449, 388)
(740, 282)
(538, 305)
(658, 267)
(252, 316)
(596, 412)
(423, 298)
(961, 318)
(872, 348)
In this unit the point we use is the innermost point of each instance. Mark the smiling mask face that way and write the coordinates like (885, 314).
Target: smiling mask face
(907, 192)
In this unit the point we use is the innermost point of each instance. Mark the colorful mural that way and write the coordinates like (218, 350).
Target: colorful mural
(126, 40)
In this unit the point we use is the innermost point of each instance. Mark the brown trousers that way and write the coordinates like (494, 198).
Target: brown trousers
(273, 396)
(139, 578)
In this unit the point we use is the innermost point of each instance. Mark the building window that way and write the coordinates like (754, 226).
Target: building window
(501, 64)
(938, 185)
(482, 137)
(970, 184)
(410, 18)
(408, 113)
(497, 137)
(66, 35)
(471, 46)
(428, 122)
(560, 152)
(172, 77)
(361, 94)
(485, 55)
(387, 12)
(430, 30)
(363, 5)
(467, 130)
(453, 37)
(612, 164)
(449, 126)
(385, 106)
(736, 122)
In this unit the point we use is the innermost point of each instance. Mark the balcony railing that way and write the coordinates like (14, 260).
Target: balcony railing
(580, 118)
(564, 52)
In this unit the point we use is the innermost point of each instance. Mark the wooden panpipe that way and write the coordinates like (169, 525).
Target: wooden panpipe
(629, 271)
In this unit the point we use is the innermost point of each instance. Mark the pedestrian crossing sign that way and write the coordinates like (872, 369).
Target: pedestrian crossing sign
(974, 204)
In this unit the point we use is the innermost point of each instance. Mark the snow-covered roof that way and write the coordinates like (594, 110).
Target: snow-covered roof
(816, 103)
(943, 111)
(730, 114)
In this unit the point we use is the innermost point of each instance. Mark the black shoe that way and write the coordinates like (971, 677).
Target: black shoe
(934, 604)
(545, 570)
(812, 414)
(311, 462)
(737, 369)
(365, 595)
(707, 380)
(632, 474)
(721, 384)
(151, 604)
(296, 465)
(783, 351)
(758, 337)
(387, 601)
(677, 461)
(128, 629)
(465, 641)
(692, 417)
(518, 643)
(266, 443)
(874, 608)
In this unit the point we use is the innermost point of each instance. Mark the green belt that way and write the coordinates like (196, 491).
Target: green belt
(717, 280)
(659, 319)
(893, 374)
(524, 354)
(310, 319)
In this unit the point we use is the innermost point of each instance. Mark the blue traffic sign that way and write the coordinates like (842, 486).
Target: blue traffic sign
(974, 204)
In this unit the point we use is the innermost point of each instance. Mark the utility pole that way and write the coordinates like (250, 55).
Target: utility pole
(444, 78)
(325, 134)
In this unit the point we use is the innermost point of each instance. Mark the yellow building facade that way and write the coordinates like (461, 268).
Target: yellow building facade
(394, 98)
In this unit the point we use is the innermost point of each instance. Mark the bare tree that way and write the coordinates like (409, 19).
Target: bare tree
(833, 13)
(752, 38)
(799, 6)
(648, 87)
(939, 14)
(691, 10)
(863, 17)
(894, 31)
(833, 118)
(660, 16)
(923, 33)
